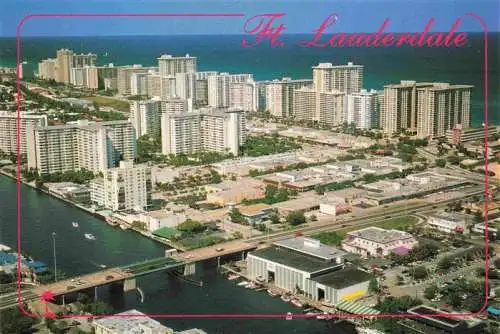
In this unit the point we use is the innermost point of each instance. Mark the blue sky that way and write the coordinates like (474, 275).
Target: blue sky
(301, 16)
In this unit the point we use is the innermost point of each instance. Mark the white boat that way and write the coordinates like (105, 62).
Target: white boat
(296, 303)
(251, 285)
(124, 227)
(90, 236)
(242, 283)
(232, 277)
(272, 293)
(102, 266)
(285, 299)
(75, 224)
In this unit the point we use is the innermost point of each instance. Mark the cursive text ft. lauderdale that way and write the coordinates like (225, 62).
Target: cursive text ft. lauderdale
(264, 26)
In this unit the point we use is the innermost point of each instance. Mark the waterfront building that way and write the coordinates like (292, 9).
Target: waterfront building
(262, 94)
(426, 108)
(363, 109)
(84, 60)
(218, 130)
(442, 107)
(303, 265)
(243, 95)
(450, 222)
(326, 108)
(47, 69)
(93, 146)
(344, 78)
(423, 319)
(107, 73)
(64, 64)
(145, 117)
(378, 242)
(8, 130)
(459, 135)
(279, 95)
(169, 65)
(133, 321)
(127, 187)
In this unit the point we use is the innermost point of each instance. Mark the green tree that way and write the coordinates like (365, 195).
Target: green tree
(419, 272)
(374, 286)
(237, 217)
(441, 163)
(431, 291)
(191, 226)
(13, 321)
(296, 218)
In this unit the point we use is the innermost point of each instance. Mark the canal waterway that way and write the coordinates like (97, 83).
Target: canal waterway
(41, 215)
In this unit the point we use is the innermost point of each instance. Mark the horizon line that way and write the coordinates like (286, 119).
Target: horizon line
(227, 34)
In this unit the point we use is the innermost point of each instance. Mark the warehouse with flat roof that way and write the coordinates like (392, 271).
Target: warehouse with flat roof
(303, 265)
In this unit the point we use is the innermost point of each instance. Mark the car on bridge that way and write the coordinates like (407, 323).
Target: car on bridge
(219, 249)
(70, 287)
(109, 277)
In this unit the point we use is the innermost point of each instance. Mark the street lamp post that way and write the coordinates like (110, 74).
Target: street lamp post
(55, 258)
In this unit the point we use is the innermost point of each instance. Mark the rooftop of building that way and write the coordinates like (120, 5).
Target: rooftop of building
(130, 322)
(343, 278)
(293, 259)
(311, 247)
(302, 203)
(379, 235)
(452, 216)
(84, 124)
(429, 313)
(330, 65)
(253, 210)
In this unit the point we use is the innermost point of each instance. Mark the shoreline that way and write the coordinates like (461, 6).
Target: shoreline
(92, 212)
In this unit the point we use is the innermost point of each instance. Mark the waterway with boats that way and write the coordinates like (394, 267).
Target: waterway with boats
(86, 244)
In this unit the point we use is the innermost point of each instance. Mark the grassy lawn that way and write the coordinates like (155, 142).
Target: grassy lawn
(110, 102)
(334, 238)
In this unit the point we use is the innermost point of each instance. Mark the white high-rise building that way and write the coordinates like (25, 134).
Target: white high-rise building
(425, 107)
(279, 95)
(47, 69)
(185, 86)
(328, 108)
(218, 88)
(84, 77)
(201, 87)
(93, 146)
(8, 130)
(124, 75)
(363, 109)
(345, 78)
(145, 117)
(442, 107)
(139, 83)
(243, 95)
(170, 65)
(127, 187)
(218, 130)
(175, 106)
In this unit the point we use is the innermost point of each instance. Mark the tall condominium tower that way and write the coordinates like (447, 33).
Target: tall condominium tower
(441, 108)
(93, 146)
(218, 130)
(8, 130)
(218, 88)
(363, 109)
(403, 110)
(145, 117)
(64, 65)
(327, 108)
(279, 95)
(170, 65)
(243, 95)
(345, 78)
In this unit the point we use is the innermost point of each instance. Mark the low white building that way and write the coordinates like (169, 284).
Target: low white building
(334, 206)
(376, 242)
(448, 222)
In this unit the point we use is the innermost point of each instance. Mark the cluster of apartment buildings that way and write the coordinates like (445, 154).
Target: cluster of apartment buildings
(336, 96)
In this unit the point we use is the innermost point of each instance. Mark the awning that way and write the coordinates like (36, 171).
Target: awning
(355, 308)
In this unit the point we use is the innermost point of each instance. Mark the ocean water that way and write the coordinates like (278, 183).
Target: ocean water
(464, 65)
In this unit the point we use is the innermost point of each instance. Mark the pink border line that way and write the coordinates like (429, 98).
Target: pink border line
(479, 19)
